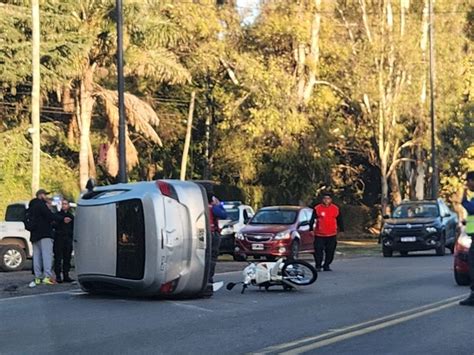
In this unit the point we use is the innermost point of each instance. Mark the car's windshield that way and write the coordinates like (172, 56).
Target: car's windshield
(274, 217)
(416, 211)
(232, 213)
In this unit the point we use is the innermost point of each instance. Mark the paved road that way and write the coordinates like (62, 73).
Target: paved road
(367, 305)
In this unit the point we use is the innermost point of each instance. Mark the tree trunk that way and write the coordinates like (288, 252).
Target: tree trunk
(314, 52)
(187, 140)
(35, 98)
(420, 175)
(87, 101)
(395, 189)
(384, 193)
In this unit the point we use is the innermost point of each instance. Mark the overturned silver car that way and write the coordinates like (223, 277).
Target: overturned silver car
(146, 238)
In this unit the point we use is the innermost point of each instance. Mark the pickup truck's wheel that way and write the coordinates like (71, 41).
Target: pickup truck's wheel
(387, 253)
(442, 248)
(12, 258)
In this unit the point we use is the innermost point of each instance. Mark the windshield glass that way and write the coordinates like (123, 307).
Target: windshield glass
(416, 211)
(274, 217)
(232, 213)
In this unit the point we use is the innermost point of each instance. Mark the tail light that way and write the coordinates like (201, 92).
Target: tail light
(169, 287)
(167, 189)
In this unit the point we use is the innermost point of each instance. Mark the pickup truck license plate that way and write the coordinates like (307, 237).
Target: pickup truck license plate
(408, 239)
(257, 247)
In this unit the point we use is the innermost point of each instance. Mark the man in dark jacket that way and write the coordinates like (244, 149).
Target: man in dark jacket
(42, 238)
(63, 244)
(216, 212)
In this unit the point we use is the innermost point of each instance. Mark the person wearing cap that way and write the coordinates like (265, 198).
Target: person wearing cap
(328, 222)
(42, 238)
(468, 204)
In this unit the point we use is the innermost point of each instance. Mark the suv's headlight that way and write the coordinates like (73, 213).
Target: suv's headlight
(283, 235)
(239, 236)
(431, 229)
(465, 241)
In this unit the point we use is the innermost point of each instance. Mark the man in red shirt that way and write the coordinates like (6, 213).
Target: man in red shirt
(328, 223)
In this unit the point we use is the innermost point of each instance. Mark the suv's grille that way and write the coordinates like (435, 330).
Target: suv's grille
(259, 237)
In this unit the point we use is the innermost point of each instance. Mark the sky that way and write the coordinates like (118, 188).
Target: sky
(249, 9)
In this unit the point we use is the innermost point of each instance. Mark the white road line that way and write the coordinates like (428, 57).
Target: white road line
(39, 295)
(189, 306)
(363, 331)
(335, 335)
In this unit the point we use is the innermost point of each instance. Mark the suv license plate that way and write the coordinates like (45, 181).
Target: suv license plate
(408, 239)
(257, 247)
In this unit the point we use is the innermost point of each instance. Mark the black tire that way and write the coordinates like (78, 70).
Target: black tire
(270, 258)
(462, 279)
(441, 250)
(387, 253)
(292, 270)
(12, 258)
(240, 257)
(295, 250)
(404, 253)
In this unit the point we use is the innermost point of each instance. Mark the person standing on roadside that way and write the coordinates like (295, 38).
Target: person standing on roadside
(42, 237)
(216, 212)
(468, 204)
(328, 223)
(63, 244)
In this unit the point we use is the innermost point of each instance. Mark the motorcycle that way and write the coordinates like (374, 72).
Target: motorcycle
(286, 273)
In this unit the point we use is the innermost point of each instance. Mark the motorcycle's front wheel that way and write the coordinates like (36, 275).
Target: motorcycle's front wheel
(299, 272)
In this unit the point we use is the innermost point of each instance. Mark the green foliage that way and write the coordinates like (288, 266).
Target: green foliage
(261, 137)
(15, 175)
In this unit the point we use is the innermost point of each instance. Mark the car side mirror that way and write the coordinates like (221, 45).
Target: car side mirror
(447, 215)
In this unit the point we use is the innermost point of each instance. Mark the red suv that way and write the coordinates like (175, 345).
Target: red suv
(275, 232)
(461, 256)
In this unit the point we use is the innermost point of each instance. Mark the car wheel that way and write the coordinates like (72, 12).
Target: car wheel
(404, 253)
(387, 253)
(295, 250)
(12, 258)
(441, 250)
(461, 278)
(270, 258)
(240, 257)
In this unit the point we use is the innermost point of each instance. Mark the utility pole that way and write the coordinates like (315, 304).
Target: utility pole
(121, 95)
(434, 165)
(187, 140)
(35, 98)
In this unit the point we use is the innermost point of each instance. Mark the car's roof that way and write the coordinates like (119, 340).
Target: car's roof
(285, 208)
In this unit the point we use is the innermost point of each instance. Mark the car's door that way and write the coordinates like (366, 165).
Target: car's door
(304, 230)
(449, 221)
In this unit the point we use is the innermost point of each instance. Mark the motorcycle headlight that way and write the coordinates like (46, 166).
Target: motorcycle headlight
(431, 229)
(465, 241)
(283, 235)
(239, 236)
(227, 230)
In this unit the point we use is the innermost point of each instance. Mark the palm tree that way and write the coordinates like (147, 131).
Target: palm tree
(78, 56)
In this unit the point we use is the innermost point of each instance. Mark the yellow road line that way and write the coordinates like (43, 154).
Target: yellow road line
(310, 343)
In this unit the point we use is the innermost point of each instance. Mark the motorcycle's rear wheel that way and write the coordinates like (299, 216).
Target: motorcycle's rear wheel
(299, 272)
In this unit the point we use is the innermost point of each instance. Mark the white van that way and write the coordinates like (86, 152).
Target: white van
(146, 238)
